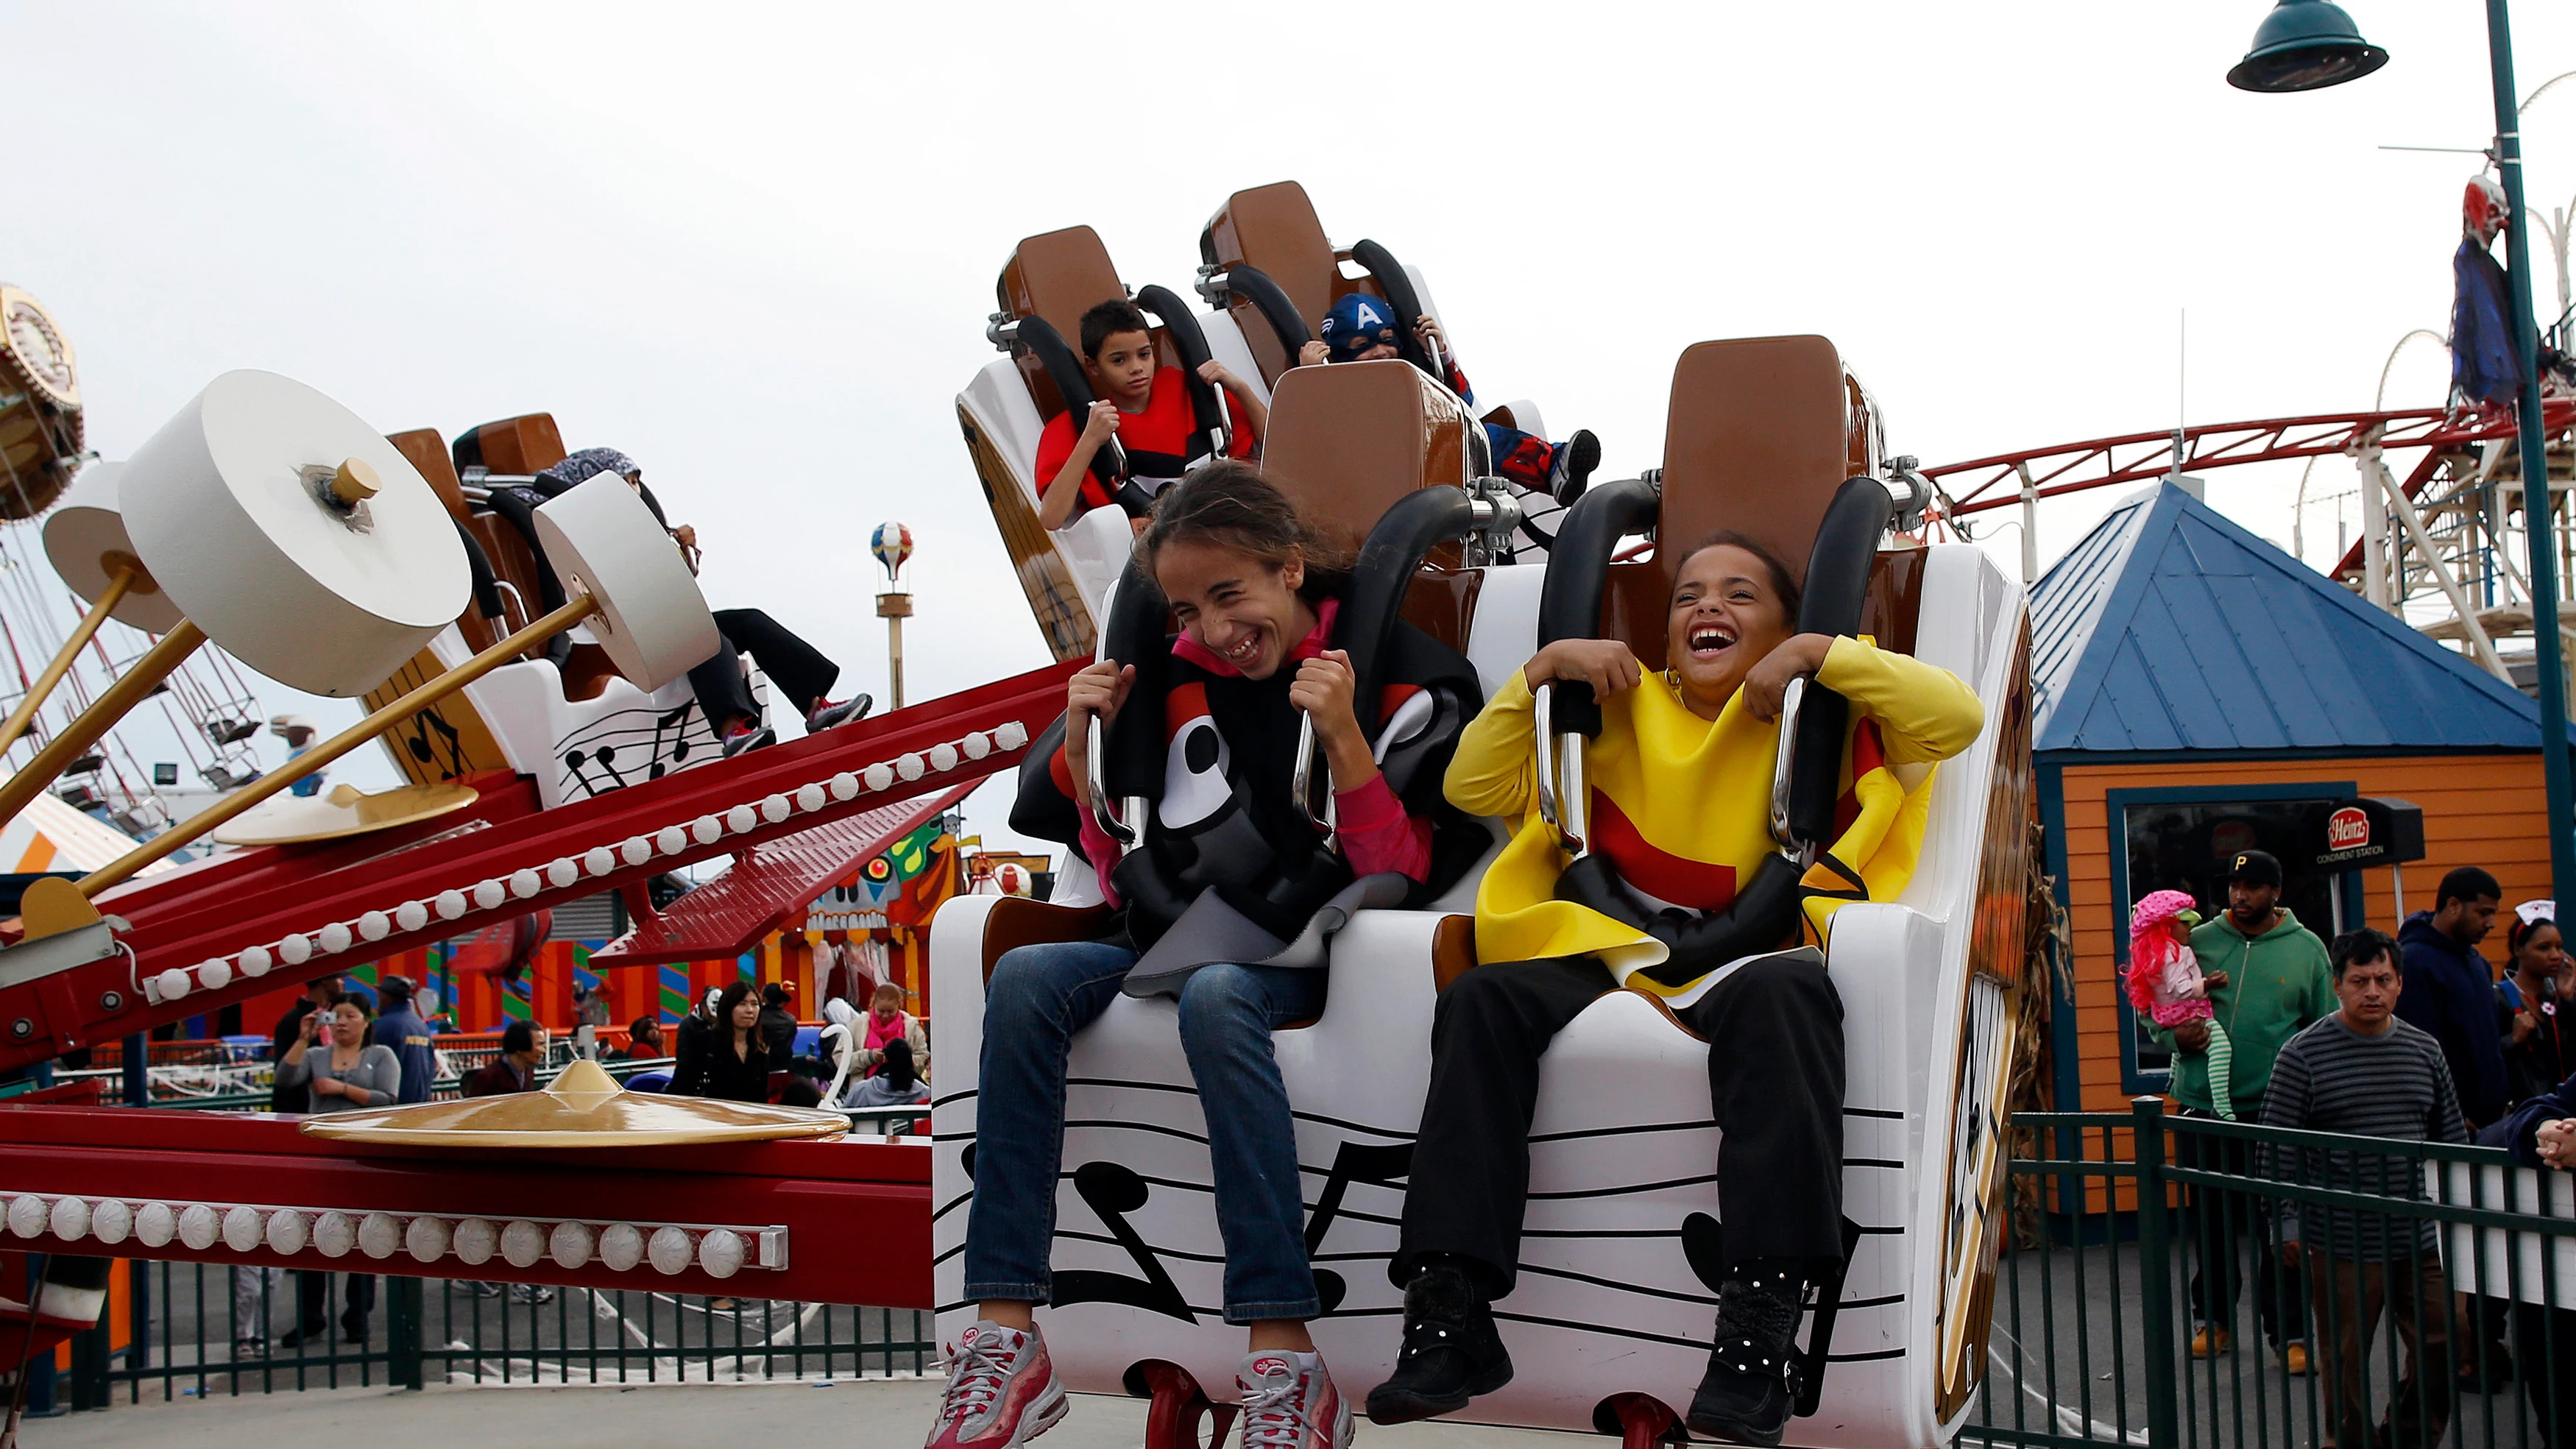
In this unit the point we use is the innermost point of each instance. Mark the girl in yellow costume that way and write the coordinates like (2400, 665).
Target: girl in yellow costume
(1680, 777)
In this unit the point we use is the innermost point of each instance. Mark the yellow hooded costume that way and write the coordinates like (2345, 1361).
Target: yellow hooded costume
(1681, 804)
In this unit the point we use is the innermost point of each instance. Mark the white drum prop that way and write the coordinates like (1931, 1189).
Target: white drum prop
(1619, 1255)
(650, 617)
(86, 541)
(294, 534)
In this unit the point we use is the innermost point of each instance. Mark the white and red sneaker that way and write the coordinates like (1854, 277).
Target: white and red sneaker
(1289, 1402)
(1002, 1391)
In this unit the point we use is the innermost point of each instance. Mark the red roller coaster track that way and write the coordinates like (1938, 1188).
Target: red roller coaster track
(1980, 484)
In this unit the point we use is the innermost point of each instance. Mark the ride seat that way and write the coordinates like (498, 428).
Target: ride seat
(529, 443)
(1056, 276)
(1758, 435)
(1617, 1292)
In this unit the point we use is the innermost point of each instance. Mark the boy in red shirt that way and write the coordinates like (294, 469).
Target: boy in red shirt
(1146, 408)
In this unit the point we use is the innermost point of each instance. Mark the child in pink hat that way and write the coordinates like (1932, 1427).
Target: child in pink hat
(2166, 985)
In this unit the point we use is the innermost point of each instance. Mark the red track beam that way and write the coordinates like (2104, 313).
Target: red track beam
(256, 897)
(855, 1215)
(2075, 467)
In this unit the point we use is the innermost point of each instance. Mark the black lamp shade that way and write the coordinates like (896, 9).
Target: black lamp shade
(2305, 45)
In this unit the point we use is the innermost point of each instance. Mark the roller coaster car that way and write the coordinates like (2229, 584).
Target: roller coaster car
(1612, 1317)
(1045, 287)
(565, 717)
(1266, 265)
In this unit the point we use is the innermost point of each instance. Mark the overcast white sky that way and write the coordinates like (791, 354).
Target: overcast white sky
(755, 245)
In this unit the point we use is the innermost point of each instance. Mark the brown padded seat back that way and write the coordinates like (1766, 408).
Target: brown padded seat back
(1755, 441)
(521, 445)
(425, 450)
(1056, 276)
(1059, 276)
(1346, 441)
(1275, 228)
(1759, 433)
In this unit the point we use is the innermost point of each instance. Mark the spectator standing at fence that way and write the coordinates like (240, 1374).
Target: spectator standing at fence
(695, 1035)
(2538, 1039)
(340, 1074)
(777, 1023)
(2450, 988)
(737, 1060)
(644, 1040)
(2267, 980)
(2363, 1072)
(2541, 1133)
(402, 1030)
(320, 995)
(887, 1022)
(523, 1050)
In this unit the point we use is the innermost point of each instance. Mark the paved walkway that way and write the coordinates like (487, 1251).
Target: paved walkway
(872, 1414)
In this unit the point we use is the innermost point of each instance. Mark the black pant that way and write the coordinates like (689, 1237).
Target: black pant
(798, 669)
(2222, 1222)
(1775, 1076)
(313, 1302)
(2544, 1354)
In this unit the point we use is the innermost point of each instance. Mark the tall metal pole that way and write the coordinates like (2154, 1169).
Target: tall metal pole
(2537, 503)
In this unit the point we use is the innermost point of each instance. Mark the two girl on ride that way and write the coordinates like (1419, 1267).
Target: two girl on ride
(1214, 901)
(1680, 779)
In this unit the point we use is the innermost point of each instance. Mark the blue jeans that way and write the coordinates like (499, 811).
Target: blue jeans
(1038, 998)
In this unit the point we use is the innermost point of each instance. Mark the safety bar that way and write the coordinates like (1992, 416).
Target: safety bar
(1110, 821)
(1301, 780)
(1562, 789)
(1784, 772)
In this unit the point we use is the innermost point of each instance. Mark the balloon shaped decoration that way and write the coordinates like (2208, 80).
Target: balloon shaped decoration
(892, 544)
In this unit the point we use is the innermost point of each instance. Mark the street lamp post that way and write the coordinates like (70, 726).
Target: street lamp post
(2306, 45)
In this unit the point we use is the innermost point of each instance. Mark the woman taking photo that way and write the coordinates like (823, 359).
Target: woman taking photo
(346, 1074)
(1256, 591)
(2539, 1043)
(1681, 779)
(736, 1066)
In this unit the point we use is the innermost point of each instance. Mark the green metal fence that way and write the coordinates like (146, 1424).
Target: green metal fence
(2134, 1304)
(196, 1331)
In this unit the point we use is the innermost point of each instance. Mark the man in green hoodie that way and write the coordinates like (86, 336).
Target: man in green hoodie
(2269, 977)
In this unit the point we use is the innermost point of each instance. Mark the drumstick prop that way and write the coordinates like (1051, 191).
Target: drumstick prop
(268, 785)
(118, 583)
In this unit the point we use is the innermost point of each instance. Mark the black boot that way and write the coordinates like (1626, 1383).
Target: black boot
(1752, 1376)
(1451, 1352)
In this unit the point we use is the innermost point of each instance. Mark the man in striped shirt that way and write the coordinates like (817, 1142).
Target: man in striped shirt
(2363, 1073)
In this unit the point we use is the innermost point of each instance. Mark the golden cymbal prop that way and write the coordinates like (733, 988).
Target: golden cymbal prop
(40, 407)
(344, 810)
(276, 521)
(627, 583)
(585, 1107)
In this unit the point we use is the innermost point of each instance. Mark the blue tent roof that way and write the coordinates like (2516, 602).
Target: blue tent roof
(2171, 628)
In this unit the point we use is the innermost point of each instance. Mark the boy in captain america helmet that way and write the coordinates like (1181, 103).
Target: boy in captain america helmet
(1363, 328)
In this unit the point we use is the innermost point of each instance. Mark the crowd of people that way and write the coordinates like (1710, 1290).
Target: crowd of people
(2411, 1038)
(334, 1051)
